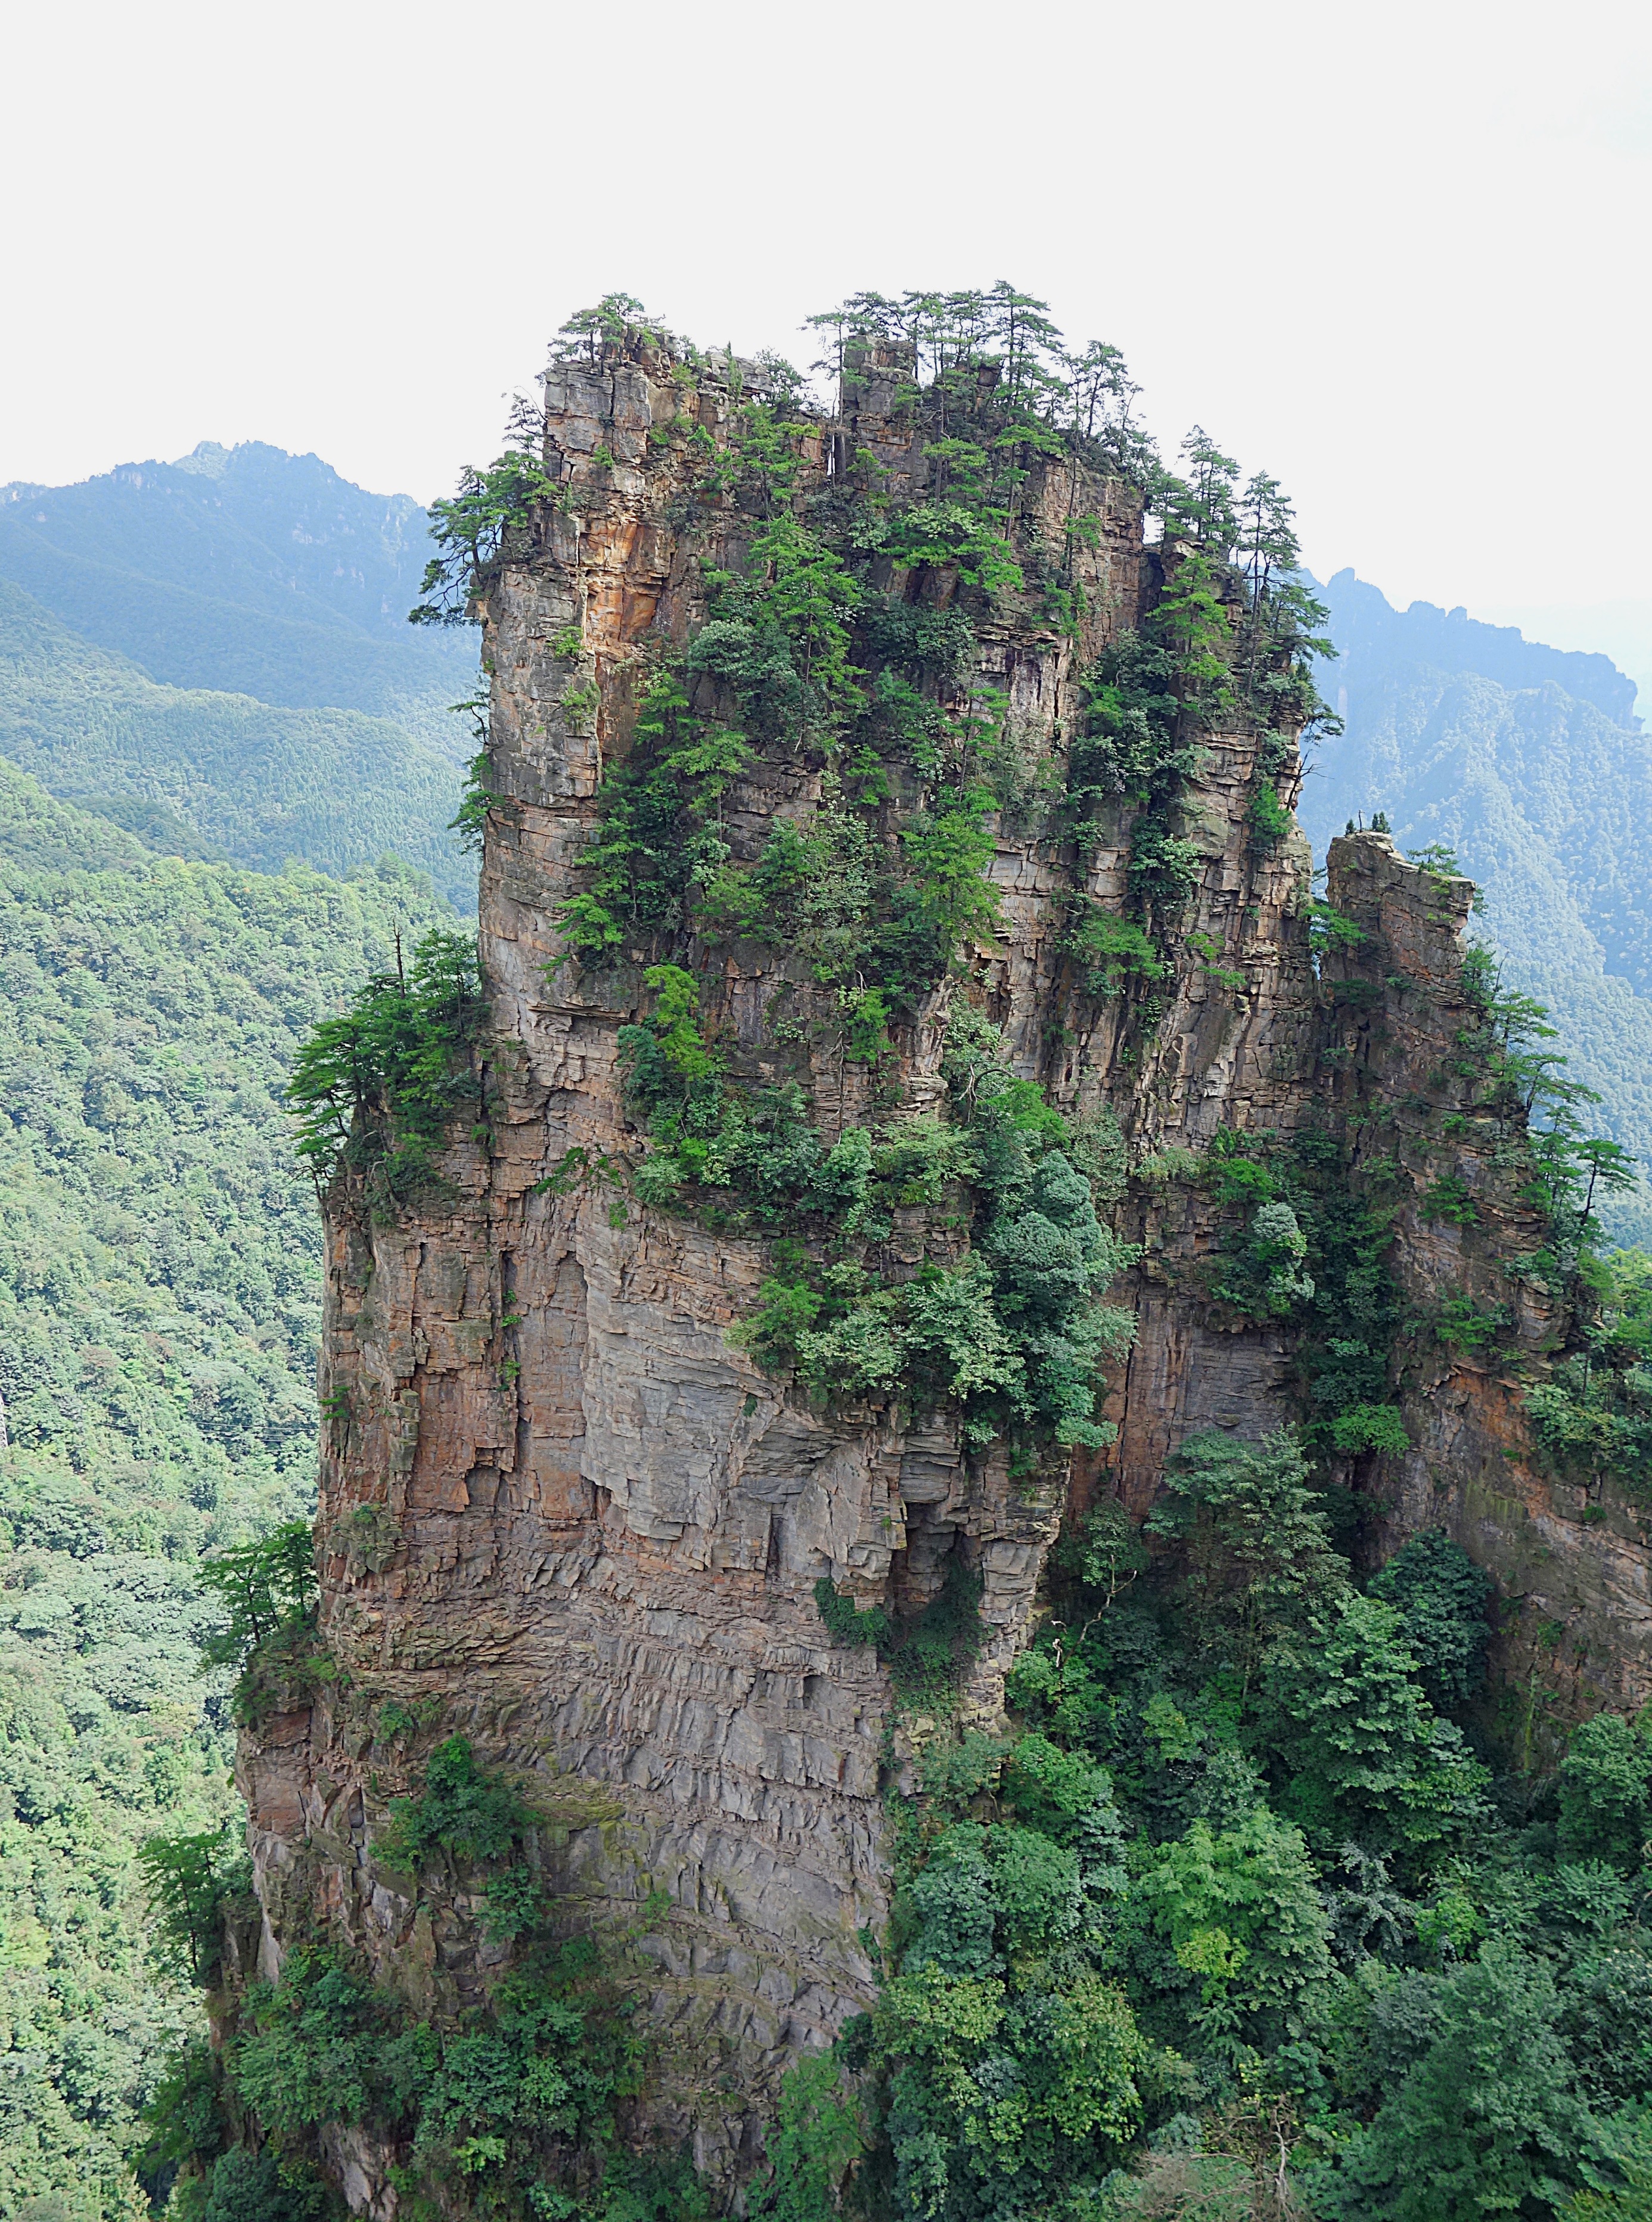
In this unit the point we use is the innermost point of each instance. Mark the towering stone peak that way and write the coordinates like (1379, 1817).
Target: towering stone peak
(562, 1510)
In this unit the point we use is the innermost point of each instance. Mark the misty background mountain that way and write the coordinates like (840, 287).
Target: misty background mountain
(1529, 763)
(214, 654)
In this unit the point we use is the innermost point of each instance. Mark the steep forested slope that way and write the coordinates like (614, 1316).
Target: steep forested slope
(1529, 764)
(159, 1314)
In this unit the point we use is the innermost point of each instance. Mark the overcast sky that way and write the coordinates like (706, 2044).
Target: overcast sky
(1395, 253)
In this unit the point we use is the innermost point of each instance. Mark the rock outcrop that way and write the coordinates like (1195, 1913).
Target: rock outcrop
(562, 1513)
(1407, 1083)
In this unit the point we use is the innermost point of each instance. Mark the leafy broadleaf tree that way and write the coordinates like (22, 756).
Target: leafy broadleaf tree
(1367, 1759)
(1229, 1937)
(191, 1880)
(1443, 1596)
(1606, 1792)
(462, 1809)
(1257, 1552)
(819, 2137)
(475, 529)
(266, 1588)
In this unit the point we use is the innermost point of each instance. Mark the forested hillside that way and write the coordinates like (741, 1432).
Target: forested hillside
(1527, 763)
(216, 652)
(220, 775)
(159, 1316)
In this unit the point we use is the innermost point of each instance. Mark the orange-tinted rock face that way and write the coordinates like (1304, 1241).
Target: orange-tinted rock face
(595, 1526)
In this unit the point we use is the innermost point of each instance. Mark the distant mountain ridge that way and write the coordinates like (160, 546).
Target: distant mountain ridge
(214, 654)
(1371, 634)
(246, 570)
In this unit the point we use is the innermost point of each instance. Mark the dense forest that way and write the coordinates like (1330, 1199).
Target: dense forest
(159, 1317)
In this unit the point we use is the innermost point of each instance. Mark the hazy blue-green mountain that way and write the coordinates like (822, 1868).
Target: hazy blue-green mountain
(1374, 638)
(215, 654)
(243, 570)
(1528, 762)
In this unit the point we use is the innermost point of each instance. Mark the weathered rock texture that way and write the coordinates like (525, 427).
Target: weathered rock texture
(1575, 1616)
(555, 1498)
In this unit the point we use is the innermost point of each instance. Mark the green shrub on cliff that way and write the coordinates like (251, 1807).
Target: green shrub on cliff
(512, 2105)
(462, 1809)
(815, 2146)
(192, 1880)
(928, 1655)
(1593, 1414)
(377, 1088)
(1014, 1335)
(474, 528)
(1605, 1793)
(264, 1589)
(245, 2187)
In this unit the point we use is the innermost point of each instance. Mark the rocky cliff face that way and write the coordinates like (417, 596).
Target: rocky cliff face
(1574, 1609)
(561, 1512)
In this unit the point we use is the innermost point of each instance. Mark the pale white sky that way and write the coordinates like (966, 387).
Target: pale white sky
(1395, 253)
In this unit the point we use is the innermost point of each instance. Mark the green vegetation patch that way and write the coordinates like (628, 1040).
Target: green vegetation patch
(516, 2104)
(1011, 1334)
(202, 774)
(1237, 1919)
(376, 1090)
(160, 1314)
